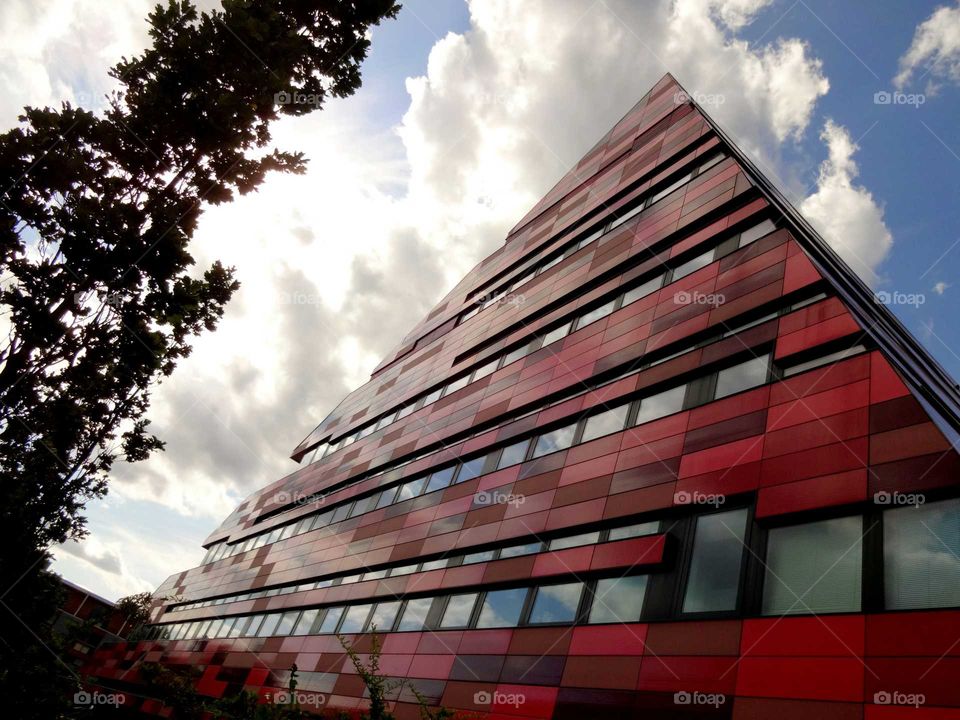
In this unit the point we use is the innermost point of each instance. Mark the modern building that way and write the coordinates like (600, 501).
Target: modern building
(661, 455)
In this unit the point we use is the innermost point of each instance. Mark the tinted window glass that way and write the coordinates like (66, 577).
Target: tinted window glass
(518, 550)
(457, 613)
(513, 454)
(692, 265)
(641, 291)
(501, 608)
(306, 621)
(630, 531)
(742, 377)
(558, 439)
(814, 567)
(485, 370)
(714, 576)
(756, 232)
(618, 599)
(661, 404)
(383, 615)
(331, 619)
(921, 556)
(556, 334)
(478, 557)
(415, 614)
(471, 469)
(355, 619)
(270, 623)
(456, 385)
(574, 541)
(411, 489)
(440, 479)
(595, 314)
(556, 603)
(604, 423)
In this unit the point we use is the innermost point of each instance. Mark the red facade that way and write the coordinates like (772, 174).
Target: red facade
(650, 458)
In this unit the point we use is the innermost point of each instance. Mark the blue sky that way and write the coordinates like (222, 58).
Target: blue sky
(466, 117)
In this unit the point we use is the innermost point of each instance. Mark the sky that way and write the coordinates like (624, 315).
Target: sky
(469, 112)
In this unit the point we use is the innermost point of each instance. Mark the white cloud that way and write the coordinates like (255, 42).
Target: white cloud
(337, 264)
(935, 49)
(845, 213)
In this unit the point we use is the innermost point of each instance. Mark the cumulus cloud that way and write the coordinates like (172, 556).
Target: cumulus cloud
(845, 213)
(935, 49)
(337, 264)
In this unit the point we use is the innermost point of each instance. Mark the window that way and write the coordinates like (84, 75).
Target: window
(471, 469)
(457, 384)
(633, 212)
(384, 615)
(589, 538)
(518, 550)
(479, 557)
(714, 578)
(406, 410)
(661, 404)
(642, 290)
(632, 531)
(440, 479)
(305, 623)
(814, 567)
(331, 619)
(287, 622)
(374, 575)
(516, 354)
(556, 603)
(558, 439)
(386, 498)
(434, 565)
(487, 369)
(692, 265)
(363, 505)
(458, 611)
(921, 556)
(411, 489)
(270, 623)
(341, 513)
(513, 454)
(403, 570)
(714, 159)
(618, 599)
(670, 188)
(432, 397)
(385, 420)
(556, 334)
(593, 315)
(415, 614)
(355, 618)
(742, 377)
(604, 423)
(756, 232)
(823, 360)
(502, 608)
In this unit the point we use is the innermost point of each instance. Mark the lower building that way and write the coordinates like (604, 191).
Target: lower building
(661, 455)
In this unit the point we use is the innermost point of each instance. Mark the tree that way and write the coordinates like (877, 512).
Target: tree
(136, 612)
(101, 297)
